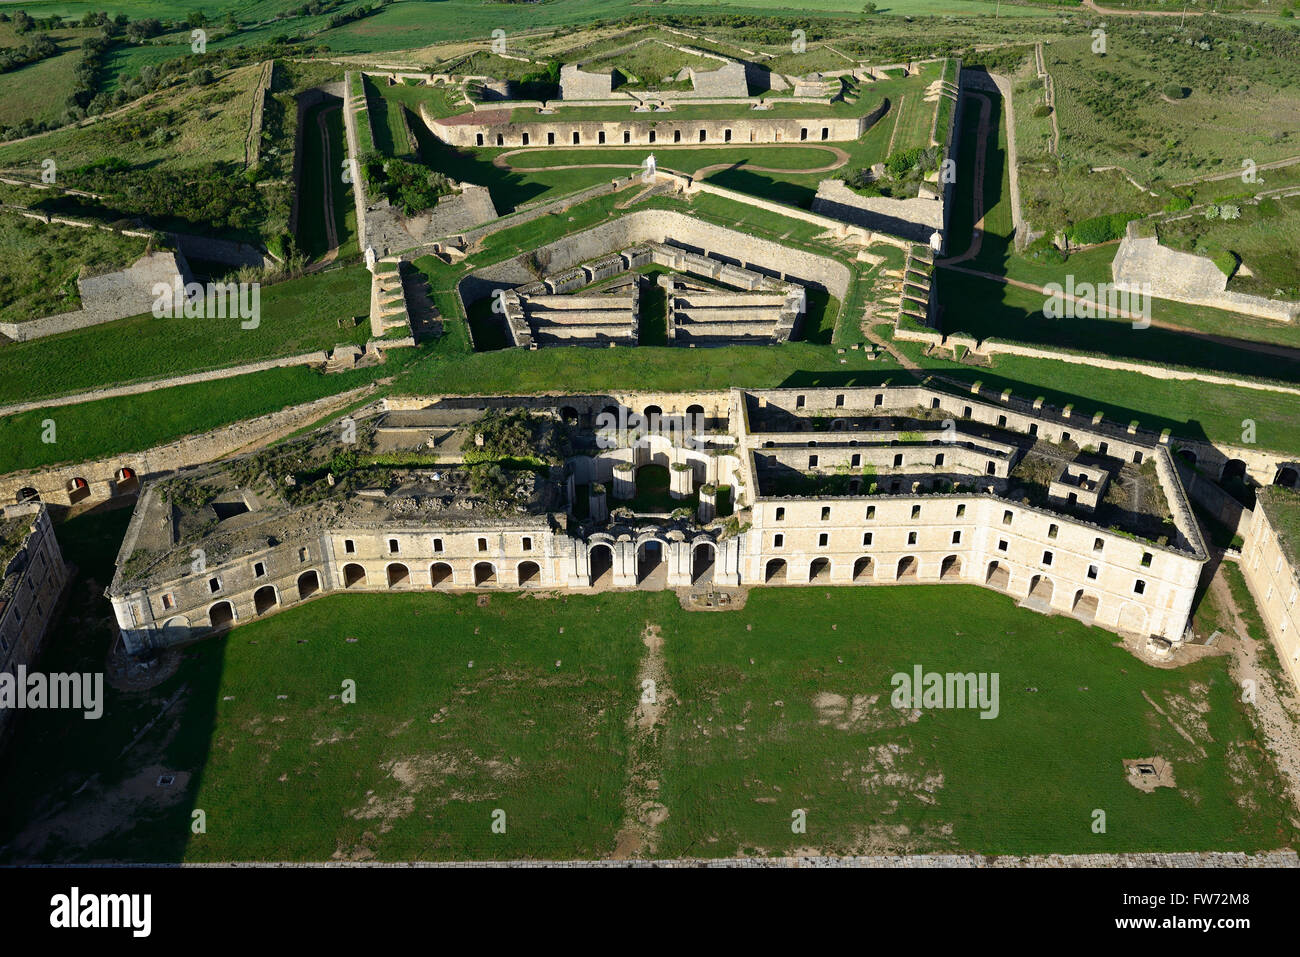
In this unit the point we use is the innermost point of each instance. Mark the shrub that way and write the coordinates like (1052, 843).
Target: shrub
(1100, 229)
(1177, 204)
(1176, 92)
(1042, 109)
(1227, 262)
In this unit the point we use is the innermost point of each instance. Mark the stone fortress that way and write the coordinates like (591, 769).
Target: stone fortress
(700, 491)
(709, 302)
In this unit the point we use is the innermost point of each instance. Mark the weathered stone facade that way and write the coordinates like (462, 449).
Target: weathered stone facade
(33, 577)
(1268, 560)
(828, 486)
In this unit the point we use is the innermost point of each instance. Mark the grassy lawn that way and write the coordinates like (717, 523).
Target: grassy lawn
(524, 705)
(91, 430)
(298, 315)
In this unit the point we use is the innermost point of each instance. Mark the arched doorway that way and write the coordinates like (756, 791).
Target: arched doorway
(126, 481)
(530, 574)
(1187, 457)
(78, 489)
(221, 615)
(703, 557)
(1234, 469)
(695, 416)
(651, 564)
(27, 494)
(600, 565)
(308, 584)
(950, 569)
(1040, 589)
(819, 572)
(998, 576)
(265, 599)
(353, 575)
(864, 569)
(1084, 606)
(485, 575)
(1287, 476)
(399, 575)
(775, 573)
(652, 414)
(440, 575)
(569, 415)
(907, 569)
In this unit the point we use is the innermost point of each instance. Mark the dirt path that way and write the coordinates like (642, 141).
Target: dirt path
(643, 813)
(977, 195)
(1263, 348)
(1049, 97)
(1276, 164)
(1111, 12)
(1274, 717)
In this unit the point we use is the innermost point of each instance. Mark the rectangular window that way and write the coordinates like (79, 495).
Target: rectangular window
(259, 569)
(911, 538)
(1098, 544)
(898, 460)
(1139, 587)
(778, 540)
(856, 460)
(780, 514)
(168, 601)
(214, 585)
(826, 513)
(812, 461)
(956, 538)
(823, 540)
(349, 546)
(303, 554)
(1002, 545)
(392, 546)
(1053, 531)
(871, 512)
(1047, 558)
(1006, 517)
(1146, 559)
(916, 511)
(866, 538)
(528, 544)
(1092, 571)
(482, 544)
(437, 544)
(961, 510)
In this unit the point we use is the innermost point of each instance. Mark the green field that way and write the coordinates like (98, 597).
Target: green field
(105, 427)
(298, 315)
(525, 705)
(38, 92)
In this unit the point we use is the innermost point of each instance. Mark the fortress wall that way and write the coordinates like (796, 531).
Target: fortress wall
(1271, 573)
(661, 131)
(915, 219)
(1184, 277)
(1163, 607)
(102, 477)
(108, 297)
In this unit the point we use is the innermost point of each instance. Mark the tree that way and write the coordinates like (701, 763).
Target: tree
(22, 22)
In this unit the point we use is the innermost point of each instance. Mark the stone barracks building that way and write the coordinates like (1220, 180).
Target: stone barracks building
(34, 578)
(850, 486)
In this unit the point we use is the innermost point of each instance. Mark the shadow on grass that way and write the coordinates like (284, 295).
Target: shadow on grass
(80, 790)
